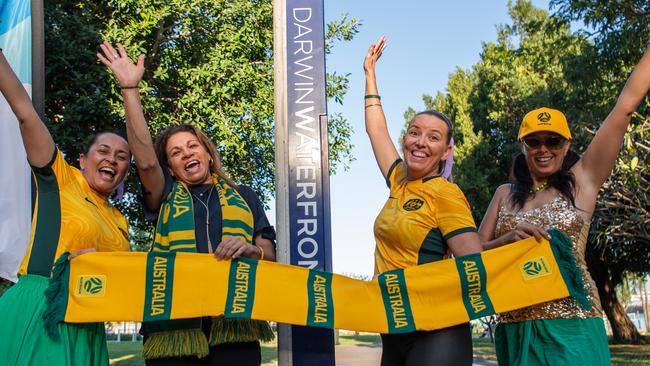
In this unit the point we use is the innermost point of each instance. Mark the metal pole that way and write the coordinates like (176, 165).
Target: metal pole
(302, 174)
(38, 58)
(281, 160)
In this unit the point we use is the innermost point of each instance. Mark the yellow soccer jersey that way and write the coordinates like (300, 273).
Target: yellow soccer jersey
(69, 216)
(418, 219)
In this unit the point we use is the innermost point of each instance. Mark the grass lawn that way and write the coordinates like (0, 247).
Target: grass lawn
(130, 353)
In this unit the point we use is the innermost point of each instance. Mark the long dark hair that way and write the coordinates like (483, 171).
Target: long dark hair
(562, 180)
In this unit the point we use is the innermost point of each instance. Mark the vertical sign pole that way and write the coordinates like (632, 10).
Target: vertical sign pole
(281, 160)
(38, 58)
(302, 171)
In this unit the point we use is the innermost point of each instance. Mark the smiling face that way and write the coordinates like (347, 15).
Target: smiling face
(106, 163)
(188, 159)
(544, 160)
(425, 145)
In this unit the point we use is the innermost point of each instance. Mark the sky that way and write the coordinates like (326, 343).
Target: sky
(427, 41)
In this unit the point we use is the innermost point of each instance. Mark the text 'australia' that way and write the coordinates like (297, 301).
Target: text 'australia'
(242, 278)
(396, 300)
(159, 286)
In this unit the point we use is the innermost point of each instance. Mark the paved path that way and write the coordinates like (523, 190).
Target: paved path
(370, 355)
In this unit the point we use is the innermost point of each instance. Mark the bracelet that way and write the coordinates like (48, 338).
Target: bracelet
(372, 96)
(129, 87)
(261, 252)
(372, 105)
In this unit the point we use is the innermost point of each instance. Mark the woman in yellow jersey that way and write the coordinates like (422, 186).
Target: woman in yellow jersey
(72, 213)
(425, 217)
(551, 186)
(217, 216)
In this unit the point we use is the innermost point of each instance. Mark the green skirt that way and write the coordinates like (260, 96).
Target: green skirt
(24, 340)
(553, 342)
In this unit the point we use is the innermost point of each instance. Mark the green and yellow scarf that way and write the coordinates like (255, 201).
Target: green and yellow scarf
(163, 286)
(175, 234)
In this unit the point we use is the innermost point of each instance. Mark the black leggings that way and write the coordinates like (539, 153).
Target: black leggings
(449, 346)
(239, 354)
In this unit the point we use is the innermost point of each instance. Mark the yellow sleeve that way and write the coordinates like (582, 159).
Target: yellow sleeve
(453, 213)
(396, 172)
(58, 167)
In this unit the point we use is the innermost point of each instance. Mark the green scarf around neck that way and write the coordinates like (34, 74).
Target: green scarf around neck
(175, 232)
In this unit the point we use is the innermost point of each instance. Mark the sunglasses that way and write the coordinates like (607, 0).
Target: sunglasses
(553, 142)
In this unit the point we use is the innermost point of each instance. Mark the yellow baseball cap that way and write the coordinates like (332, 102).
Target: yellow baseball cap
(544, 119)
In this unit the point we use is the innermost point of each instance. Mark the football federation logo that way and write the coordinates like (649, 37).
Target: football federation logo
(413, 204)
(544, 117)
(535, 268)
(91, 286)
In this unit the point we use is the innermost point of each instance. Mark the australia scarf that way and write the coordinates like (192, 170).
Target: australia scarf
(175, 233)
(162, 285)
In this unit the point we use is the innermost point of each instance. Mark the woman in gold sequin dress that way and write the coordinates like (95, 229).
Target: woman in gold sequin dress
(553, 187)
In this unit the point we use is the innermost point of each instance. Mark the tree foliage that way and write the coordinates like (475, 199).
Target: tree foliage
(208, 63)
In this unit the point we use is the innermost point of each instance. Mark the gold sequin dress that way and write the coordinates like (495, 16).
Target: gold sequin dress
(557, 332)
(559, 214)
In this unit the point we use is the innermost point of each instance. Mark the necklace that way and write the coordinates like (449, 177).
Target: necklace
(207, 213)
(538, 188)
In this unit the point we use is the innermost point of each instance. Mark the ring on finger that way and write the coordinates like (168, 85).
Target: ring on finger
(115, 56)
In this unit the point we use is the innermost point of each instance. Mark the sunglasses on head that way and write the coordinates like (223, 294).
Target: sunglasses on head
(553, 142)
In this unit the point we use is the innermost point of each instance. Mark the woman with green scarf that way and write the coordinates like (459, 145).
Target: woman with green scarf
(200, 210)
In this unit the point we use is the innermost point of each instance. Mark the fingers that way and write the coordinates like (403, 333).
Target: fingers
(120, 47)
(532, 230)
(103, 59)
(108, 50)
(381, 46)
(80, 252)
(233, 248)
(113, 55)
(140, 63)
(241, 252)
(227, 248)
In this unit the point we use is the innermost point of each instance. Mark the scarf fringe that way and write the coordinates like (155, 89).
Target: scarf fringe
(175, 343)
(232, 330)
(56, 296)
(563, 252)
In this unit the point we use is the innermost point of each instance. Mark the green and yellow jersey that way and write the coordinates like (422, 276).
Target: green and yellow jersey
(417, 220)
(69, 216)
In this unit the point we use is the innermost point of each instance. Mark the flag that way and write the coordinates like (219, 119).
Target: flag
(15, 180)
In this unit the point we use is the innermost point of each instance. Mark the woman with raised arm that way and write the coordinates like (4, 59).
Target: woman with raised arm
(226, 219)
(425, 217)
(553, 187)
(72, 213)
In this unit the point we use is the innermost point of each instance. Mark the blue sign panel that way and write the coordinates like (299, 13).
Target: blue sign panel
(309, 211)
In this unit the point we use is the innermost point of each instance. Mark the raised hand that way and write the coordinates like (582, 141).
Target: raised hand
(374, 53)
(127, 73)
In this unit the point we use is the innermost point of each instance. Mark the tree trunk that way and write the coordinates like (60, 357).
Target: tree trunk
(623, 330)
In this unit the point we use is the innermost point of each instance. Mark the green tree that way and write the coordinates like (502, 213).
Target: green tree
(209, 63)
(620, 236)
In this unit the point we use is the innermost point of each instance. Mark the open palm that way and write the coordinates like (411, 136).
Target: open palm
(127, 73)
